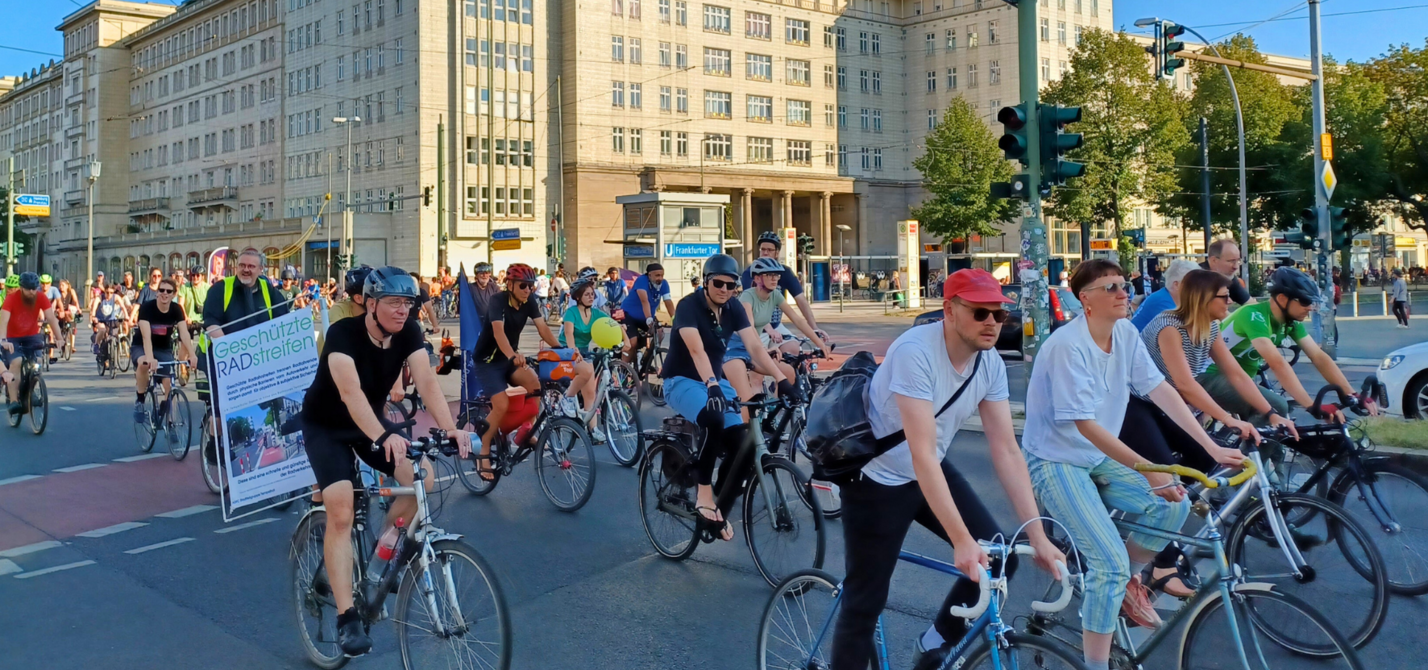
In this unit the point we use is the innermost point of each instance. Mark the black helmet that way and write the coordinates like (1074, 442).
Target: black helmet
(1295, 284)
(288, 274)
(721, 264)
(389, 281)
(30, 281)
(765, 266)
(195, 270)
(355, 280)
(769, 236)
(482, 267)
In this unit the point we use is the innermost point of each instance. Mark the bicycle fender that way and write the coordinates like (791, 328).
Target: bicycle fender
(1215, 597)
(1370, 460)
(302, 521)
(443, 536)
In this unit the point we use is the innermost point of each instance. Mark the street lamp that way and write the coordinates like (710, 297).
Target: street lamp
(347, 201)
(843, 284)
(94, 167)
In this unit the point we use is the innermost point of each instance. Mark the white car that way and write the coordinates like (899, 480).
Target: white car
(1405, 373)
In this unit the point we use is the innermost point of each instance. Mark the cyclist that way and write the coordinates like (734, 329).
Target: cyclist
(241, 301)
(52, 292)
(1223, 257)
(192, 294)
(769, 244)
(644, 299)
(575, 332)
(288, 287)
(106, 316)
(482, 288)
(695, 388)
(147, 291)
(126, 286)
(1076, 404)
(12, 284)
(914, 481)
(613, 291)
(360, 363)
(1254, 334)
(761, 303)
(425, 309)
(20, 316)
(68, 310)
(154, 343)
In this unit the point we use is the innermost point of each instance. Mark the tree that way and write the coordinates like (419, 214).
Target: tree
(961, 162)
(1403, 73)
(1132, 126)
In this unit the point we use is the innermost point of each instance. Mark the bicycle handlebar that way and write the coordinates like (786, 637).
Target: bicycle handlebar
(985, 584)
(1212, 483)
(1372, 389)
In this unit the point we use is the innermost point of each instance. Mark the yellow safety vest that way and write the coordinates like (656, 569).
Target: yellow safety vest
(228, 298)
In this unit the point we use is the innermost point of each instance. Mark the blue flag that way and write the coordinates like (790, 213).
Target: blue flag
(470, 331)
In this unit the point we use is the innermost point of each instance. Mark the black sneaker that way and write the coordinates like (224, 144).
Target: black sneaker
(932, 658)
(16, 408)
(352, 634)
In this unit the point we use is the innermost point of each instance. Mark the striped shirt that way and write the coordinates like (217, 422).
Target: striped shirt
(1197, 356)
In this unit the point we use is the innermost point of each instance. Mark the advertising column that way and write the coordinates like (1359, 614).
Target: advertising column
(909, 253)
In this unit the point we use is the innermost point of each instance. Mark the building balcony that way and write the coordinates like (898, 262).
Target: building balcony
(73, 131)
(75, 164)
(75, 197)
(219, 196)
(148, 205)
(74, 99)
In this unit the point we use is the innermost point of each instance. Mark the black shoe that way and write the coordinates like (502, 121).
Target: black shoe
(352, 634)
(16, 408)
(932, 658)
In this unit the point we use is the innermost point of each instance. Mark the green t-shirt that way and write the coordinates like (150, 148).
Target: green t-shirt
(763, 310)
(1250, 323)
(192, 296)
(582, 328)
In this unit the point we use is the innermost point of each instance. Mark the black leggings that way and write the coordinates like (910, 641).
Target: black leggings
(876, 518)
(1400, 311)
(1152, 434)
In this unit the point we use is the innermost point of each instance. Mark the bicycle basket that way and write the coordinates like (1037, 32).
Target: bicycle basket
(556, 364)
(1321, 441)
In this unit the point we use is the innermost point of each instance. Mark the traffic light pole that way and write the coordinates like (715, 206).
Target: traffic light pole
(1032, 266)
(1324, 330)
(10, 216)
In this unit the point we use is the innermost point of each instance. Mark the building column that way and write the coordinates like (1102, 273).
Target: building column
(786, 204)
(862, 205)
(825, 220)
(746, 213)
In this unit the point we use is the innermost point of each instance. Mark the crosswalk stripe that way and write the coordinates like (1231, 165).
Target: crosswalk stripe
(187, 511)
(77, 468)
(116, 528)
(140, 457)
(16, 480)
(57, 568)
(30, 549)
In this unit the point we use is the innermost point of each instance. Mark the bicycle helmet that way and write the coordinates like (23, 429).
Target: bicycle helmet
(770, 236)
(13, 281)
(389, 281)
(289, 274)
(1295, 284)
(520, 272)
(762, 266)
(195, 271)
(482, 267)
(46, 279)
(30, 281)
(587, 273)
(721, 264)
(356, 279)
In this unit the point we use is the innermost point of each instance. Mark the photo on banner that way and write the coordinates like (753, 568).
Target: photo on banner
(260, 375)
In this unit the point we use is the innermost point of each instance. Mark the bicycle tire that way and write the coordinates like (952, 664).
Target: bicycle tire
(565, 458)
(178, 425)
(450, 553)
(830, 498)
(1330, 642)
(144, 433)
(667, 479)
(619, 407)
(122, 354)
(99, 363)
(792, 641)
(212, 468)
(654, 362)
(305, 568)
(1407, 567)
(466, 468)
(113, 358)
(38, 406)
(1040, 648)
(623, 376)
(790, 528)
(1361, 622)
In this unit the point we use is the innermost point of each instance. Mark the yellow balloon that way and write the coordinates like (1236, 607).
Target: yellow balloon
(606, 334)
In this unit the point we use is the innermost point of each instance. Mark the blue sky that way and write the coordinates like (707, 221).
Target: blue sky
(1357, 36)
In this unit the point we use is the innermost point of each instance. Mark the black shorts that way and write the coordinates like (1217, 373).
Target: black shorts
(638, 330)
(330, 453)
(493, 378)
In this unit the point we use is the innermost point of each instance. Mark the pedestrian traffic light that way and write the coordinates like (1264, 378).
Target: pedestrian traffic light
(1169, 63)
(805, 244)
(1014, 142)
(1136, 237)
(426, 196)
(1055, 142)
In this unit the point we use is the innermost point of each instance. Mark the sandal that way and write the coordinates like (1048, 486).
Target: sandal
(1174, 584)
(726, 533)
(486, 474)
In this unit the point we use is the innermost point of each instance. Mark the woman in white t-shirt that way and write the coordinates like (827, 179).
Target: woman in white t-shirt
(1075, 405)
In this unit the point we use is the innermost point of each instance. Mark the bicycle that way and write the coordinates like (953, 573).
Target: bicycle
(107, 354)
(471, 628)
(615, 411)
(34, 396)
(780, 505)
(171, 416)
(649, 360)
(1247, 608)
(785, 429)
(796, 632)
(66, 345)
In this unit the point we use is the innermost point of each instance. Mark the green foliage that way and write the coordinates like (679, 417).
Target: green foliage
(961, 162)
(1403, 74)
(240, 429)
(1126, 252)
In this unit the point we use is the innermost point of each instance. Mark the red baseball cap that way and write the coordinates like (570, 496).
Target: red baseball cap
(973, 285)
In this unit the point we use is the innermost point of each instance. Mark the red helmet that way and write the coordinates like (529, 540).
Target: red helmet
(520, 272)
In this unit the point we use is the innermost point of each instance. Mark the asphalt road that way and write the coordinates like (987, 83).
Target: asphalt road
(111, 562)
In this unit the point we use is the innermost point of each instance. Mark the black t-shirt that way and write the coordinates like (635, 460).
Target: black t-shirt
(377, 368)
(693, 312)
(1238, 292)
(161, 325)
(513, 316)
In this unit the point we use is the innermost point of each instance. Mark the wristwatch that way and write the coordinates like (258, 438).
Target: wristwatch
(711, 381)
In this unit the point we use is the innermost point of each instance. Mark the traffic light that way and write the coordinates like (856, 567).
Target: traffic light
(391, 201)
(1308, 237)
(1055, 142)
(805, 244)
(1136, 237)
(1169, 63)
(1014, 142)
(1019, 187)
(426, 196)
(1338, 227)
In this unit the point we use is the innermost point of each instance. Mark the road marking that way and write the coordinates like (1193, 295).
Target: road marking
(159, 545)
(8, 566)
(16, 480)
(96, 399)
(30, 549)
(187, 511)
(116, 528)
(57, 568)
(140, 457)
(77, 468)
(67, 408)
(241, 526)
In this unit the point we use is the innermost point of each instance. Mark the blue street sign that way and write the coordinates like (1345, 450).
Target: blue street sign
(639, 251)
(506, 234)
(690, 250)
(33, 200)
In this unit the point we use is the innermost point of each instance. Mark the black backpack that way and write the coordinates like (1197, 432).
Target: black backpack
(840, 439)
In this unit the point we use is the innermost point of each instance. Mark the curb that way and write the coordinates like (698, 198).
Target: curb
(1413, 459)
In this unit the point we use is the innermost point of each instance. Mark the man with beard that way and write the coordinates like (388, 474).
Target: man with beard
(20, 322)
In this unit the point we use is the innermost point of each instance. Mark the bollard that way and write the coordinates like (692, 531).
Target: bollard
(1356, 302)
(1385, 303)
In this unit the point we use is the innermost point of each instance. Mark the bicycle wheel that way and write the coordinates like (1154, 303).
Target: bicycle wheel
(1208, 641)
(470, 627)
(796, 632)
(653, 364)
(667, 499)
(621, 421)
(212, 470)
(13, 419)
(395, 412)
(112, 360)
(99, 358)
(1360, 598)
(312, 596)
(144, 433)
(178, 427)
(1404, 495)
(66, 349)
(1025, 651)
(830, 499)
(122, 354)
(623, 376)
(789, 536)
(39, 406)
(565, 464)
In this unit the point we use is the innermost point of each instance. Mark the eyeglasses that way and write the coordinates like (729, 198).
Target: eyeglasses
(165, 291)
(398, 303)
(1113, 287)
(724, 285)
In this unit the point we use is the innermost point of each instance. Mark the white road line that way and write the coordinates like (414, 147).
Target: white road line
(77, 468)
(187, 511)
(47, 570)
(159, 545)
(241, 526)
(67, 408)
(140, 457)
(116, 528)
(8, 566)
(96, 399)
(30, 549)
(16, 480)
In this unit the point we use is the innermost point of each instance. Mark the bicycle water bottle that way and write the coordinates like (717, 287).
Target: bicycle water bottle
(386, 549)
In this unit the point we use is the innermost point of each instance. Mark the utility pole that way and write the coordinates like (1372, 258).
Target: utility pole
(10, 216)
(440, 192)
(1324, 330)
(1205, 187)
(94, 169)
(1033, 264)
(328, 225)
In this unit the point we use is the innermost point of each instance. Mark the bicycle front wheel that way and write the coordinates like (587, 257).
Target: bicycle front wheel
(212, 469)
(144, 432)
(178, 428)
(621, 421)
(797, 630)
(451, 613)
(1403, 495)
(39, 402)
(565, 464)
(1209, 637)
(1025, 651)
(313, 602)
(122, 353)
(788, 536)
(654, 362)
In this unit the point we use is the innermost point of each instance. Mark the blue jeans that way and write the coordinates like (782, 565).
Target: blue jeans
(28, 344)
(687, 397)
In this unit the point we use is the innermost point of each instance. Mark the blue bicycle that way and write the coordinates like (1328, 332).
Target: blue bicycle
(798, 623)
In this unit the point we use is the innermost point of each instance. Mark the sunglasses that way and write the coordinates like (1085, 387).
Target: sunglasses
(1222, 296)
(981, 314)
(524, 285)
(724, 285)
(165, 291)
(1113, 287)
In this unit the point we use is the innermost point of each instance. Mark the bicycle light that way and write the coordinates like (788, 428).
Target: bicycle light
(1391, 362)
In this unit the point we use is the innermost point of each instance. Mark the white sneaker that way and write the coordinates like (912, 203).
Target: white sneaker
(597, 435)
(570, 406)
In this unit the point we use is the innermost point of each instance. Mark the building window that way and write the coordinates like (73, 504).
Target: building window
(666, 142)
(664, 11)
(971, 36)
(664, 57)
(1061, 33)
(717, 62)
(681, 14)
(760, 150)
(716, 19)
(800, 152)
(877, 159)
(830, 156)
(617, 140)
(864, 118)
(617, 48)
(760, 108)
(796, 31)
(863, 80)
(951, 78)
(842, 116)
(717, 104)
(829, 37)
(877, 120)
(828, 115)
(1079, 31)
(877, 44)
(877, 82)
(828, 77)
(636, 57)
(931, 119)
(842, 39)
(994, 72)
(951, 39)
(971, 76)
(758, 25)
(800, 113)
(681, 100)
(797, 72)
(665, 96)
(637, 140)
(718, 146)
(842, 78)
(1045, 69)
(929, 44)
(992, 31)
(759, 67)
(681, 144)
(681, 56)
(617, 7)
(617, 94)
(636, 95)
(932, 82)
(1046, 30)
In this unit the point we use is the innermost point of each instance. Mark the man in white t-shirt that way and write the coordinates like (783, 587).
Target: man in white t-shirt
(922, 371)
